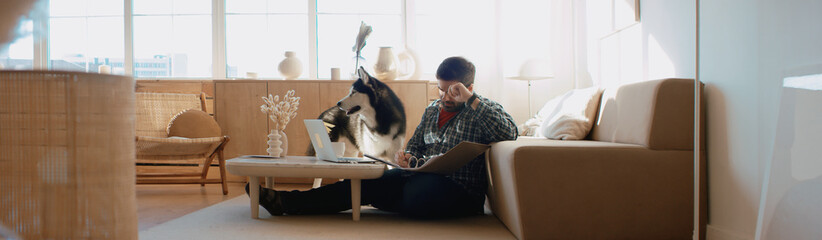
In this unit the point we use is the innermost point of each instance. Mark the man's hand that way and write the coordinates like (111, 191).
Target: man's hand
(402, 158)
(459, 92)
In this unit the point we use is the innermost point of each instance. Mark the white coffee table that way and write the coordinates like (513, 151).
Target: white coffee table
(302, 167)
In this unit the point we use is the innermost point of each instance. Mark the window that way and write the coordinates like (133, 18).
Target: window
(85, 34)
(175, 38)
(338, 23)
(259, 32)
(175, 34)
(19, 55)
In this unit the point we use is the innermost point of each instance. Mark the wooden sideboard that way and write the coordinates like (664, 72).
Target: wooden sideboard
(235, 105)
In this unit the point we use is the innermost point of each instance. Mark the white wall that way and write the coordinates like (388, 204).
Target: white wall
(669, 34)
(661, 45)
(745, 49)
(728, 52)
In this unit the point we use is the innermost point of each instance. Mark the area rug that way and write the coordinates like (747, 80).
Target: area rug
(231, 219)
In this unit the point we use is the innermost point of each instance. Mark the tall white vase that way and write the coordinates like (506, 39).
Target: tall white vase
(290, 68)
(386, 67)
(277, 144)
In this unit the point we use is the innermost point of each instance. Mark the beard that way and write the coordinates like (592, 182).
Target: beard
(451, 106)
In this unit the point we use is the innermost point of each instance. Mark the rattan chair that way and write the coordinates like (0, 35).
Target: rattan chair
(156, 150)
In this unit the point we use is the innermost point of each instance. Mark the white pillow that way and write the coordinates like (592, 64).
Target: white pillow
(531, 127)
(573, 115)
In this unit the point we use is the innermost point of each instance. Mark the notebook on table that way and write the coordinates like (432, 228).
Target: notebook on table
(322, 144)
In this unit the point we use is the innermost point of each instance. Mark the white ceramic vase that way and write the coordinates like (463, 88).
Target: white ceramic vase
(277, 144)
(408, 66)
(290, 68)
(386, 67)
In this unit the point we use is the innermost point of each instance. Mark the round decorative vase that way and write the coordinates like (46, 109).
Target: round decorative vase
(386, 67)
(290, 68)
(408, 66)
(277, 144)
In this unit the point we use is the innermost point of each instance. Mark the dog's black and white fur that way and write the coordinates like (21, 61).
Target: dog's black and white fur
(371, 119)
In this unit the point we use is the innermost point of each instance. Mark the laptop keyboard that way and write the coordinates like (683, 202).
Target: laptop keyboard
(354, 160)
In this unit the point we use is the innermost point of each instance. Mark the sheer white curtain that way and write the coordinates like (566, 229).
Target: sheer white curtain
(534, 30)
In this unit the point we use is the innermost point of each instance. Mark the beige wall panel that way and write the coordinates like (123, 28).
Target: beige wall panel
(170, 86)
(332, 92)
(413, 96)
(208, 88)
(237, 110)
(433, 91)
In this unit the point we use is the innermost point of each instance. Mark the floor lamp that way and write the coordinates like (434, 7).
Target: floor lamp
(533, 70)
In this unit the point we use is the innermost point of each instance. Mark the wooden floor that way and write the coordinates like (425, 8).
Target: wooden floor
(157, 204)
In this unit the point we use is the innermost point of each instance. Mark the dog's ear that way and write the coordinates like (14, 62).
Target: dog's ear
(367, 79)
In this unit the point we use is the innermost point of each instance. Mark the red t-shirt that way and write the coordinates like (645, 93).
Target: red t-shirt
(444, 117)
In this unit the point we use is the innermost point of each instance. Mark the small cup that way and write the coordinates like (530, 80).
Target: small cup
(335, 73)
(339, 148)
(251, 75)
(104, 69)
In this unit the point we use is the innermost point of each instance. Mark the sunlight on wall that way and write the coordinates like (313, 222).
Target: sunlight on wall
(805, 152)
(659, 63)
(791, 191)
(809, 82)
(631, 53)
(609, 61)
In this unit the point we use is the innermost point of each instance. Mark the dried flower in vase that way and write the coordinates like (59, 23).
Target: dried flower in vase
(281, 112)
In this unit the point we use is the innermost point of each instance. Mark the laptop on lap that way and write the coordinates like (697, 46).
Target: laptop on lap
(322, 143)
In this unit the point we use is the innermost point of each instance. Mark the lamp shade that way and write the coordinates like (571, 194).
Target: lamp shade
(534, 69)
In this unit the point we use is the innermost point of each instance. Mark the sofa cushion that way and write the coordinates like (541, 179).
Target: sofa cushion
(573, 116)
(531, 126)
(656, 114)
(569, 116)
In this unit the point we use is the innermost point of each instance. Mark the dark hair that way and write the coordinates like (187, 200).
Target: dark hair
(456, 69)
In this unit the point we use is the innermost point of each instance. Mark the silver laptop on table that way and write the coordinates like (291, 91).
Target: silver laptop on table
(322, 143)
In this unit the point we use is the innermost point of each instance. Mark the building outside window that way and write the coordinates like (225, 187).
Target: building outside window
(84, 34)
(175, 35)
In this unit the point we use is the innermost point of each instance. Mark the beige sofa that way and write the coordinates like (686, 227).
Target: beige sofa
(632, 178)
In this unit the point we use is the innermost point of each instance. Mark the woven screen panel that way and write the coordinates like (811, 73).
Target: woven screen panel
(67, 155)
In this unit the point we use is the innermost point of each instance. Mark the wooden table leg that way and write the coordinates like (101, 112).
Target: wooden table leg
(317, 182)
(355, 199)
(269, 182)
(254, 194)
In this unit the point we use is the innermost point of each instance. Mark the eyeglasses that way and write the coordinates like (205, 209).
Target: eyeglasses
(415, 162)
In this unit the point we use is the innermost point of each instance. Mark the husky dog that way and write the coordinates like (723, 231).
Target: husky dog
(371, 119)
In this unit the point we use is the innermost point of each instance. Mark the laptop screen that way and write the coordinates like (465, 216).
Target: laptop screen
(319, 139)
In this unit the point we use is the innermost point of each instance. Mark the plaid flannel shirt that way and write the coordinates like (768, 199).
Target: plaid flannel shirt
(487, 124)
